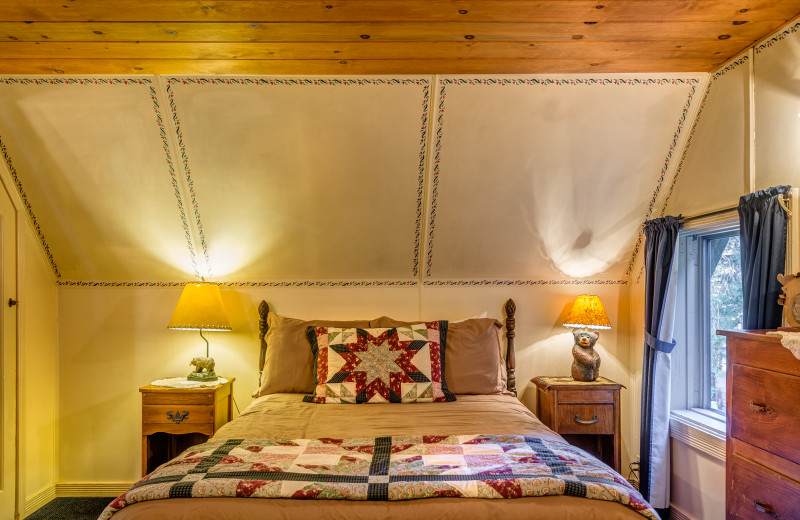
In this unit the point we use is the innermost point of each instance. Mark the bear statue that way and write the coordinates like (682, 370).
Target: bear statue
(586, 365)
(201, 363)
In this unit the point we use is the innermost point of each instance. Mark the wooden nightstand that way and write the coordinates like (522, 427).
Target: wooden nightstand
(174, 419)
(587, 415)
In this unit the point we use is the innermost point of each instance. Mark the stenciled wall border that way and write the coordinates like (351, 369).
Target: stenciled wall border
(356, 283)
(43, 81)
(777, 37)
(555, 82)
(662, 175)
(290, 283)
(28, 207)
(719, 73)
(174, 180)
(424, 83)
(715, 76)
(518, 283)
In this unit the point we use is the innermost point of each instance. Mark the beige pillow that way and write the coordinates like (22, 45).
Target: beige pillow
(473, 358)
(289, 363)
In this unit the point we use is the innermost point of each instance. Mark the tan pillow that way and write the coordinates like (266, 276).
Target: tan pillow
(473, 357)
(289, 363)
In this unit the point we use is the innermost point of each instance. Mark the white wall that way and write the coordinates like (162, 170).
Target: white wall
(114, 339)
(697, 483)
(38, 373)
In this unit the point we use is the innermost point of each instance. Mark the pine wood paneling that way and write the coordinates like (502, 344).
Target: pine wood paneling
(710, 50)
(380, 36)
(388, 11)
(463, 66)
(379, 31)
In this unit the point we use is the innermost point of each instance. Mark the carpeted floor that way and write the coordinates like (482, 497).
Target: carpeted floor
(73, 508)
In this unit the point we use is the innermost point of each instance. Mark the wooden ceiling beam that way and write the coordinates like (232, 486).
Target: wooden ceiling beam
(344, 67)
(709, 50)
(359, 32)
(396, 11)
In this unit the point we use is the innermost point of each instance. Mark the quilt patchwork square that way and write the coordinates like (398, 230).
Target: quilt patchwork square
(395, 365)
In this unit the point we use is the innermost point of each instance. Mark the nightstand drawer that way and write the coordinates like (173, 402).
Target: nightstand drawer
(585, 396)
(181, 413)
(586, 418)
(174, 397)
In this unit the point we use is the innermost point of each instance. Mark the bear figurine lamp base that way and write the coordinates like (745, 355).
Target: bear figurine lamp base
(587, 313)
(200, 308)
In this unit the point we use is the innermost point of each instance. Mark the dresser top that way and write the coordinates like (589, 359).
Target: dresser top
(754, 334)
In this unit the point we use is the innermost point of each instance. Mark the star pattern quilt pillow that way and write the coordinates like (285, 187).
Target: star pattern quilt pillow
(395, 365)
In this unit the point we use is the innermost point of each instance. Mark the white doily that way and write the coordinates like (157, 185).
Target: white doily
(182, 382)
(790, 340)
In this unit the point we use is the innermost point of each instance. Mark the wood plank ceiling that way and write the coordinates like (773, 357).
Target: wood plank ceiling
(380, 36)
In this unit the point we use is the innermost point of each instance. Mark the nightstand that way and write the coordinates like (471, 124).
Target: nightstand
(587, 415)
(174, 419)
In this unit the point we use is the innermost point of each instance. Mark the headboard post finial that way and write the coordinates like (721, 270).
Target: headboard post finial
(263, 311)
(511, 323)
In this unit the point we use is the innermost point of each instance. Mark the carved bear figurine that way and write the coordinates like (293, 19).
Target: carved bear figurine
(203, 362)
(586, 365)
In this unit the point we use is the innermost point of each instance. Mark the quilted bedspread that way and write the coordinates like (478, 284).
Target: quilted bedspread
(385, 468)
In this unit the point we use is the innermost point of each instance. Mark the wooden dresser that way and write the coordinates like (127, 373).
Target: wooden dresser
(763, 428)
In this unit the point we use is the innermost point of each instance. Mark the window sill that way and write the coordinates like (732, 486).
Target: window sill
(699, 429)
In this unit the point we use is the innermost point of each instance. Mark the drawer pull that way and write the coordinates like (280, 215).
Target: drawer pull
(582, 421)
(177, 417)
(764, 508)
(760, 408)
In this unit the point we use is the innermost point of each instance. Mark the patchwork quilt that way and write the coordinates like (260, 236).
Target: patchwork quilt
(385, 468)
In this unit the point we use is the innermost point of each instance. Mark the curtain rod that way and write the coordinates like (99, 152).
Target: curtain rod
(708, 214)
(783, 200)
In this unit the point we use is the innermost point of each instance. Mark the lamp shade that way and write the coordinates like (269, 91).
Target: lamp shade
(200, 308)
(587, 312)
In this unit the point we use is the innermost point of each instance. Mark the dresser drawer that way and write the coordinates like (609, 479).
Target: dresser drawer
(594, 419)
(764, 411)
(757, 493)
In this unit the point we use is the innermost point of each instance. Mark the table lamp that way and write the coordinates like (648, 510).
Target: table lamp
(587, 313)
(200, 308)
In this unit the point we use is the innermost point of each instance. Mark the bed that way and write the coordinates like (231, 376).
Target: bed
(463, 447)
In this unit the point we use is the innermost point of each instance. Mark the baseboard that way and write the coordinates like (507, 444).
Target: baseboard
(39, 499)
(676, 514)
(91, 489)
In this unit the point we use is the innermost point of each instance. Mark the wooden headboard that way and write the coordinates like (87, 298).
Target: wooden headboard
(510, 309)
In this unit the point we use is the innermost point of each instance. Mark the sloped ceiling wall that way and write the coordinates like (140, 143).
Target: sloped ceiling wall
(407, 180)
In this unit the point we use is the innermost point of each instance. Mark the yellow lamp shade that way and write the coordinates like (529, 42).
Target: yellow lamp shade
(587, 312)
(200, 308)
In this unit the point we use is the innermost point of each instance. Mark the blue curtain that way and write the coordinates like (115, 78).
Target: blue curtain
(660, 283)
(762, 228)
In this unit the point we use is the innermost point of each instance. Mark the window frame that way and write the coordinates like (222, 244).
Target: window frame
(691, 360)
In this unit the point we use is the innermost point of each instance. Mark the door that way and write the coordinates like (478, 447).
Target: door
(8, 357)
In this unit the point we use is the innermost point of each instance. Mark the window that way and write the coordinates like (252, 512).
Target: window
(709, 298)
(722, 309)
